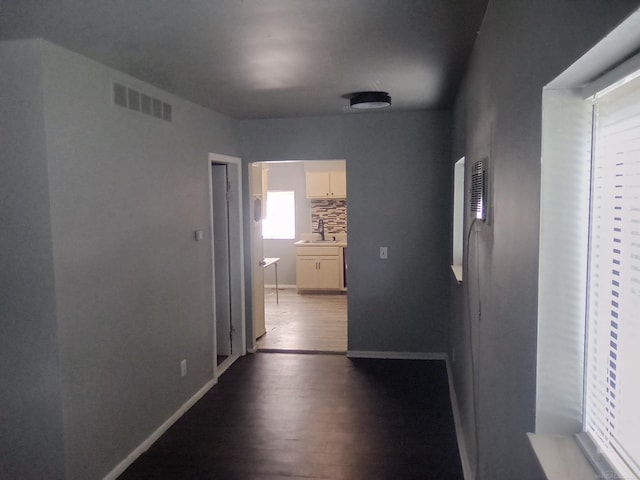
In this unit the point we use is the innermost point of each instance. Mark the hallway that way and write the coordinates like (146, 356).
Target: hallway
(290, 416)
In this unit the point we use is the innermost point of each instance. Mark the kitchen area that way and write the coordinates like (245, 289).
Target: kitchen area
(308, 310)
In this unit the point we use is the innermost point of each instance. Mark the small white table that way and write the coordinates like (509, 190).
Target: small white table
(267, 262)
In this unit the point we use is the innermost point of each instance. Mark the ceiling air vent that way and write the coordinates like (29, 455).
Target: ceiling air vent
(132, 99)
(479, 190)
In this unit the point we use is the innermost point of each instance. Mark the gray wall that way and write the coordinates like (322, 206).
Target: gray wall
(31, 443)
(521, 47)
(133, 290)
(399, 177)
(288, 176)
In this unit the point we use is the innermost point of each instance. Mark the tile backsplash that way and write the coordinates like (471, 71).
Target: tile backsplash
(334, 213)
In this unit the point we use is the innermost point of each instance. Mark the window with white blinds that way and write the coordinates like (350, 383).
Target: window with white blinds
(612, 376)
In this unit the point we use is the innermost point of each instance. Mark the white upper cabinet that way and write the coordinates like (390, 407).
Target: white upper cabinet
(338, 183)
(331, 184)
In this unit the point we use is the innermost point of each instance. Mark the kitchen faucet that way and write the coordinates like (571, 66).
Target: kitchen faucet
(321, 228)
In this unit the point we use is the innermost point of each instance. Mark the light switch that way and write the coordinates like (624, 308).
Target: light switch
(383, 253)
(198, 234)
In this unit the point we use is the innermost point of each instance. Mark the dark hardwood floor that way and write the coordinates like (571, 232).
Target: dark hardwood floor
(290, 416)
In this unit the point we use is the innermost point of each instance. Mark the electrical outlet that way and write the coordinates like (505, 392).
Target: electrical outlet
(183, 368)
(383, 253)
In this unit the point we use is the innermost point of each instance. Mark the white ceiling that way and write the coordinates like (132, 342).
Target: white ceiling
(267, 58)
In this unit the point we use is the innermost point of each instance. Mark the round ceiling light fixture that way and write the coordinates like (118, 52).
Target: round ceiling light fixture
(366, 100)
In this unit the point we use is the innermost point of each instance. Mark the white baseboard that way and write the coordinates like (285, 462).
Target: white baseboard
(280, 286)
(397, 355)
(226, 363)
(464, 457)
(467, 471)
(150, 440)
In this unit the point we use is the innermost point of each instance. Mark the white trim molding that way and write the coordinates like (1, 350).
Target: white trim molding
(457, 272)
(397, 355)
(225, 364)
(561, 458)
(467, 470)
(151, 439)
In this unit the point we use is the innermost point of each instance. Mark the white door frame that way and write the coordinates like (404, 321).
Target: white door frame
(257, 252)
(238, 317)
(252, 194)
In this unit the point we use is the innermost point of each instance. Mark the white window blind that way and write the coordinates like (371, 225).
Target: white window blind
(612, 395)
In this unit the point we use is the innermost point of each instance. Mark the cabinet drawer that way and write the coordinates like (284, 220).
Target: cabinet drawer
(315, 251)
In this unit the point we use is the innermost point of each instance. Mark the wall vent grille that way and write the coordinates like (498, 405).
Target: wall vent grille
(478, 190)
(132, 99)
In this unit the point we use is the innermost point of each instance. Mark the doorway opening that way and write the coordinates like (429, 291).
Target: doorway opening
(227, 260)
(300, 282)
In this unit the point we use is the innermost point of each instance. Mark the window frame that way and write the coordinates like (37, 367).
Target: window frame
(457, 219)
(560, 370)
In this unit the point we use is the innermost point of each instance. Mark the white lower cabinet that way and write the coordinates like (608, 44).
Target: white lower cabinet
(319, 268)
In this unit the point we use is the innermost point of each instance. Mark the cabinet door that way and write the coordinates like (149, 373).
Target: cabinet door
(306, 272)
(338, 183)
(318, 185)
(329, 272)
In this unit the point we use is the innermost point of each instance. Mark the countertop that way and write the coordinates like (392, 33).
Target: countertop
(320, 243)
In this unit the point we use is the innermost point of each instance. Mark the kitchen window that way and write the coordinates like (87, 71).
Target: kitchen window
(280, 222)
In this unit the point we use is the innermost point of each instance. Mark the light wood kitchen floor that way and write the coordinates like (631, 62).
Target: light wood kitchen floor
(304, 323)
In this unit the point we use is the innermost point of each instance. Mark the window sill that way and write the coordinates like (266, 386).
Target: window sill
(457, 272)
(561, 458)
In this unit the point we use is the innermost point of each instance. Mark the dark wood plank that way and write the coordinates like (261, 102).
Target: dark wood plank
(291, 416)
